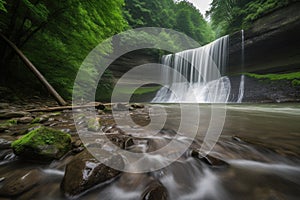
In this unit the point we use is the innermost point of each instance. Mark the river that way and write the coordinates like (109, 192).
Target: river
(259, 145)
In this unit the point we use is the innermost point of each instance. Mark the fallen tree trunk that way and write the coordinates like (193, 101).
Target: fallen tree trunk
(96, 105)
(32, 68)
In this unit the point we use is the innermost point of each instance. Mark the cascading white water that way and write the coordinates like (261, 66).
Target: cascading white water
(242, 83)
(200, 75)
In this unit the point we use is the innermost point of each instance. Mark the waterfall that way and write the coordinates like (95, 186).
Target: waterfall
(195, 75)
(241, 88)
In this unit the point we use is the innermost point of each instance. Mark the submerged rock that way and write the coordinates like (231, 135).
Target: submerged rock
(20, 181)
(43, 143)
(155, 191)
(210, 160)
(85, 171)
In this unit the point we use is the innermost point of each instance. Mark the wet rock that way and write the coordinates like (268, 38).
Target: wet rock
(137, 105)
(155, 191)
(43, 143)
(51, 190)
(112, 141)
(4, 105)
(33, 127)
(120, 107)
(25, 120)
(3, 128)
(77, 143)
(122, 141)
(39, 120)
(97, 105)
(236, 138)
(113, 129)
(93, 125)
(5, 153)
(85, 171)
(9, 115)
(169, 132)
(133, 181)
(20, 181)
(210, 160)
(4, 144)
(101, 112)
(7, 124)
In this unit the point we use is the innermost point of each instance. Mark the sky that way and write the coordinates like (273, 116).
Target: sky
(202, 5)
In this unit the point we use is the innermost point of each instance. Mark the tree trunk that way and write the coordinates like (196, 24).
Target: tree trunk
(32, 68)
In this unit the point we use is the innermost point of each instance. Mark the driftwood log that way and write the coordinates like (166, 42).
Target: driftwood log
(33, 69)
(95, 105)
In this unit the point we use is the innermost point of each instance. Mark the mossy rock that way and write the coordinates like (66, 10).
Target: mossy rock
(43, 144)
(93, 125)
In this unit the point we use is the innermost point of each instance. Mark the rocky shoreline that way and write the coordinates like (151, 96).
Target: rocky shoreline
(50, 139)
(42, 153)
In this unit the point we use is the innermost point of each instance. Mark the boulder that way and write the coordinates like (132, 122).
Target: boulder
(25, 120)
(43, 144)
(93, 124)
(208, 159)
(19, 181)
(155, 191)
(85, 171)
(120, 107)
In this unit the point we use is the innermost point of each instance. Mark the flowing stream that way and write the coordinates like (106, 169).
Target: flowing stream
(259, 142)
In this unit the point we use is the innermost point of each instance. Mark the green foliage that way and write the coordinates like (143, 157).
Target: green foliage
(12, 121)
(2, 7)
(229, 16)
(294, 77)
(181, 16)
(274, 77)
(57, 36)
(8, 123)
(296, 82)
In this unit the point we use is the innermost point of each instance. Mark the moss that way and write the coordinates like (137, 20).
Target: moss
(43, 143)
(8, 123)
(275, 77)
(55, 114)
(293, 77)
(107, 109)
(93, 124)
(36, 120)
(296, 83)
(12, 121)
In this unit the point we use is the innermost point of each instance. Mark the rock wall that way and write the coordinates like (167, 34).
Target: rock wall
(271, 44)
(264, 90)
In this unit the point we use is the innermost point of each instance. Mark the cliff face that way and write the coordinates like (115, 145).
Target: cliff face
(272, 43)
